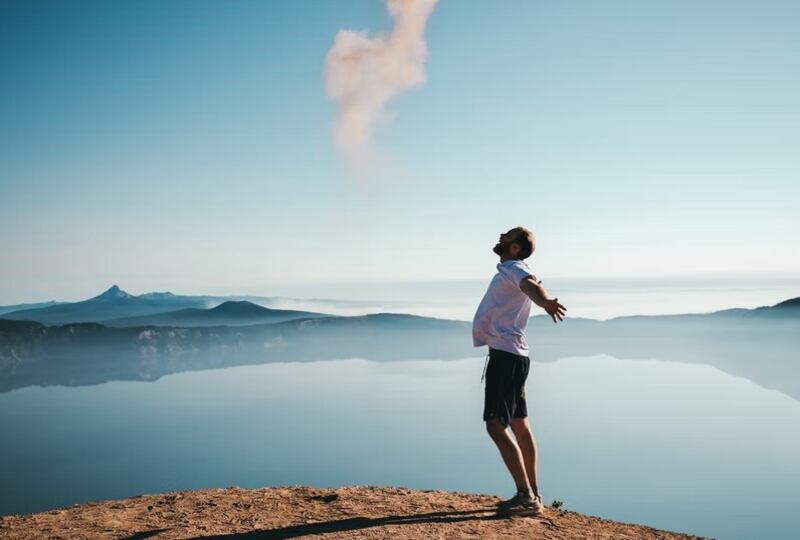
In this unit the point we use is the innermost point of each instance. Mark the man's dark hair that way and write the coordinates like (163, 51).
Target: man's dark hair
(523, 239)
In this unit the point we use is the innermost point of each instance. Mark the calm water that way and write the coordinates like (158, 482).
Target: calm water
(676, 446)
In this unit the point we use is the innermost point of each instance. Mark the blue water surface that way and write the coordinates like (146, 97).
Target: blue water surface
(676, 446)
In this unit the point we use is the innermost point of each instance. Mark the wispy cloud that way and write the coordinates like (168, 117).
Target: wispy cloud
(363, 73)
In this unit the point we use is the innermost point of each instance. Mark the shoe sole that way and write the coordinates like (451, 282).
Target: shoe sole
(526, 512)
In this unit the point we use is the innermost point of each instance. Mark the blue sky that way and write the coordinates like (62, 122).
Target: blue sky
(187, 145)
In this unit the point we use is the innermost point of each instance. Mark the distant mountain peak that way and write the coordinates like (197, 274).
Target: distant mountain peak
(113, 293)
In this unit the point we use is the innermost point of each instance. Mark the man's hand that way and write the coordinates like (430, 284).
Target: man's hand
(554, 309)
(533, 288)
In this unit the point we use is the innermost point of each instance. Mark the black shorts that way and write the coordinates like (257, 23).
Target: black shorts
(506, 374)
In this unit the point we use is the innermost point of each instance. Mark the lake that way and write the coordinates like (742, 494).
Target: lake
(675, 446)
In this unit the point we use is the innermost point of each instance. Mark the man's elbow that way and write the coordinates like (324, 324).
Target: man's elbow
(532, 292)
(536, 293)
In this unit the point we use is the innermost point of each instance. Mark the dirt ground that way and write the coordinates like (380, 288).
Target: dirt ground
(305, 512)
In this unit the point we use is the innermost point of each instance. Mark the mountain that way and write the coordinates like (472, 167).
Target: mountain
(20, 307)
(759, 344)
(118, 304)
(230, 313)
(158, 295)
(787, 307)
(113, 303)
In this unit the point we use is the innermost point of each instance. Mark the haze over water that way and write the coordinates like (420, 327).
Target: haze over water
(596, 298)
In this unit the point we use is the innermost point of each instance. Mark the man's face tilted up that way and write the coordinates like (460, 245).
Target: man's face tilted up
(518, 243)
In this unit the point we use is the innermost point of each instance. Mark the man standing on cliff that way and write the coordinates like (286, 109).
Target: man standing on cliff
(500, 323)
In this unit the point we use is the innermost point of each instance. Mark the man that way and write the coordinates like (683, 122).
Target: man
(500, 322)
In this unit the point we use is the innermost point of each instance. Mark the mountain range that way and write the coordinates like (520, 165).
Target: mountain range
(760, 344)
(116, 307)
(230, 313)
(23, 307)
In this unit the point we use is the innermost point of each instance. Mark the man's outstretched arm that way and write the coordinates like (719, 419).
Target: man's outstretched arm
(534, 290)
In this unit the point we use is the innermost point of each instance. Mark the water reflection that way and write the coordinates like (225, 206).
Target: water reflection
(672, 445)
(759, 345)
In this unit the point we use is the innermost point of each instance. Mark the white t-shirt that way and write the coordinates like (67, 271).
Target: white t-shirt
(502, 315)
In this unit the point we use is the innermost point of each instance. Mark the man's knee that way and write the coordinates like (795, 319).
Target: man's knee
(496, 429)
(522, 430)
(520, 424)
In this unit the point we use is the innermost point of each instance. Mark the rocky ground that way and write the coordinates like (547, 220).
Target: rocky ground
(353, 512)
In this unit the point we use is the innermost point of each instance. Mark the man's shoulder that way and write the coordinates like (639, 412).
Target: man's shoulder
(515, 269)
(521, 263)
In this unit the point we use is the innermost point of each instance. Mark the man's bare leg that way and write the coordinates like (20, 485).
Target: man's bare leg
(510, 452)
(527, 445)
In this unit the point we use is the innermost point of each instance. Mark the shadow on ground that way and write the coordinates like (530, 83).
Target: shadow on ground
(356, 523)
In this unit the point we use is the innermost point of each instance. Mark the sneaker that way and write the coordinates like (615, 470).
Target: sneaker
(512, 500)
(521, 504)
(516, 497)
